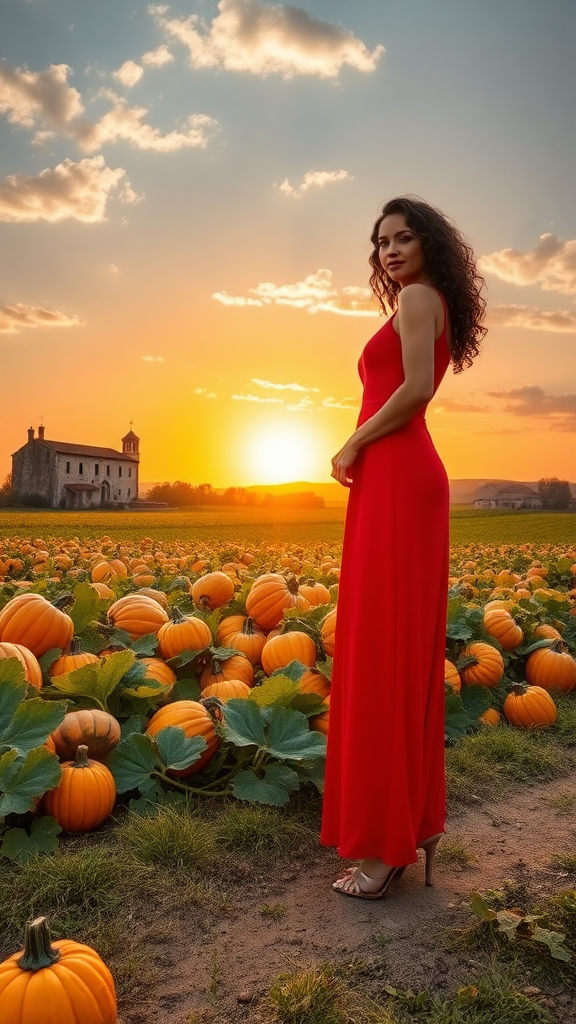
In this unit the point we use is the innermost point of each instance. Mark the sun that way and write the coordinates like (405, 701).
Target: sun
(283, 454)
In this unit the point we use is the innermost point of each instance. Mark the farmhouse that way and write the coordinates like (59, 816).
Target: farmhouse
(506, 495)
(66, 475)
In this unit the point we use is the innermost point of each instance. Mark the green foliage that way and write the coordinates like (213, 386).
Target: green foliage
(462, 710)
(519, 927)
(115, 683)
(21, 846)
(140, 759)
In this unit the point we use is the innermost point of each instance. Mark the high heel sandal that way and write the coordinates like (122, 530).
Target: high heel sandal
(355, 873)
(429, 846)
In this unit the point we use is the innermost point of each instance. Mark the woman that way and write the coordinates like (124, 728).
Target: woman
(385, 796)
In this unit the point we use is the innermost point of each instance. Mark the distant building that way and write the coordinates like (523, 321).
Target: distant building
(506, 495)
(68, 475)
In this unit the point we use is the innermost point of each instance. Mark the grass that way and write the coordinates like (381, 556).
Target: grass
(453, 851)
(171, 838)
(272, 910)
(564, 803)
(564, 861)
(260, 830)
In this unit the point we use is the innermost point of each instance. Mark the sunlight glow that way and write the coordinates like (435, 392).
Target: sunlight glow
(283, 454)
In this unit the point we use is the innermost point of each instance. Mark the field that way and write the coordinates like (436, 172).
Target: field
(250, 526)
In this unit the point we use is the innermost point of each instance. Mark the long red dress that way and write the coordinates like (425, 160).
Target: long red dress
(384, 790)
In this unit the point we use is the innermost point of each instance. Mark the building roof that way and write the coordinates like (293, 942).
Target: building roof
(64, 448)
(507, 488)
(81, 487)
(130, 436)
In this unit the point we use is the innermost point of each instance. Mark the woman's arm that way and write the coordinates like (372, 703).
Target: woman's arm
(417, 327)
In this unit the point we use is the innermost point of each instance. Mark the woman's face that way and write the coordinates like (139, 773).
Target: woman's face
(400, 251)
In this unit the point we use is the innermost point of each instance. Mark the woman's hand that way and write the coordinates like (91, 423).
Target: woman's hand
(342, 462)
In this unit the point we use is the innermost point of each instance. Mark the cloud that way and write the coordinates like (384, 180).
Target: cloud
(261, 39)
(152, 359)
(448, 405)
(551, 263)
(157, 58)
(69, 190)
(111, 268)
(125, 123)
(560, 410)
(280, 387)
(15, 318)
(129, 74)
(313, 179)
(255, 398)
(31, 97)
(304, 405)
(204, 392)
(562, 321)
(343, 403)
(315, 294)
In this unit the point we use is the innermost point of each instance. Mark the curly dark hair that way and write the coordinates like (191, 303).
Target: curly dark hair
(451, 267)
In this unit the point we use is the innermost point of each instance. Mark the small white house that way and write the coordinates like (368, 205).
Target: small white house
(506, 495)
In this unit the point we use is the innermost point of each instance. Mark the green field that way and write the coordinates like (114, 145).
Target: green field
(251, 526)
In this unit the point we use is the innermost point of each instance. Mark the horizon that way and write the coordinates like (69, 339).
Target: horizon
(186, 225)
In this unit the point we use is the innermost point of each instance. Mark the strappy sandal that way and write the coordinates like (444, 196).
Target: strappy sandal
(429, 846)
(377, 894)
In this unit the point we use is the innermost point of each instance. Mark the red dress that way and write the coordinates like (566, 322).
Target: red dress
(385, 790)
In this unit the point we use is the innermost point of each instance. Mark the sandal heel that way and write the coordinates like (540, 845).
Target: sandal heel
(429, 847)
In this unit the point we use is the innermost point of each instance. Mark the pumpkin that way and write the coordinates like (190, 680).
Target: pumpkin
(160, 672)
(499, 624)
(244, 635)
(226, 689)
(212, 591)
(137, 615)
(452, 676)
(545, 631)
(71, 661)
(31, 620)
(64, 982)
(286, 647)
(193, 718)
(315, 593)
(314, 681)
(104, 571)
(85, 796)
(327, 630)
(529, 707)
(319, 723)
(183, 633)
(269, 595)
(235, 667)
(490, 717)
(552, 667)
(32, 669)
(156, 595)
(103, 590)
(480, 664)
(98, 730)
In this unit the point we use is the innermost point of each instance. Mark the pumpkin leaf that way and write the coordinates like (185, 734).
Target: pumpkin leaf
(20, 846)
(554, 941)
(177, 750)
(132, 725)
(85, 608)
(456, 718)
(243, 725)
(133, 761)
(289, 737)
(119, 638)
(278, 689)
(480, 907)
(154, 799)
(294, 671)
(97, 681)
(186, 689)
(309, 704)
(274, 787)
(22, 779)
(145, 646)
(13, 689)
(185, 657)
(312, 771)
(324, 665)
(31, 724)
(476, 700)
(48, 659)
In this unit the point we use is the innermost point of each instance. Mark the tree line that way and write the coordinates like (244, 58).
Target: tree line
(181, 495)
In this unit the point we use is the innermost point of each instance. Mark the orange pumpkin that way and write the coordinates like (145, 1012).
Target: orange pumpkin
(319, 723)
(235, 667)
(315, 593)
(98, 730)
(212, 591)
(529, 707)
(183, 633)
(327, 631)
(313, 681)
(552, 667)
(246, 637)
(156, 595)
(137, 615)
(32, 669)
(286, 647)
(481, 664)
(269, 595)
(60, 981)
(85, 796)
(31, 620)
(545, 631)
(160, 672)
(452, 676)
(103, 590)
(499, 624)
(490, 717)
(71, 661)
(193, 718)
(226, 689)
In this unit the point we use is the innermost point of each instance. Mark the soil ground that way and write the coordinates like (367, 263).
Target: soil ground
(218, 966)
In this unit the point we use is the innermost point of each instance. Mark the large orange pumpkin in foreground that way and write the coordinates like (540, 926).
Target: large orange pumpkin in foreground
(483, 665)
(269, 595)
(193, 718)
(98, 730)
(552, 667)
(212, 591)
(63, 982)
(529, 707)
(85, 796)
(286, 647)
(183, 633)
(137, 615)
(31, 620)
(32, 669)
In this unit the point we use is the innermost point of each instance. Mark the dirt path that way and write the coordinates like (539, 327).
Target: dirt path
(213, 961)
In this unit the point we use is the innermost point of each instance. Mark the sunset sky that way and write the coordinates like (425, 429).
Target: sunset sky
(186, 196)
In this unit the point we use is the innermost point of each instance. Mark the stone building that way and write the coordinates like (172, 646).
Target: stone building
(506, 495)
(75, 475)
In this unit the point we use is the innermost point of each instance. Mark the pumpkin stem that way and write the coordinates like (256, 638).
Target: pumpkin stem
(177, 615)
(63, 600)
(75, 645)
(81, 759)
(38, 952)
(248, 627)
(518, 688)
(293, 585)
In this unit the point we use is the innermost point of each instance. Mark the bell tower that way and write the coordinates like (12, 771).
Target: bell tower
(130, 444)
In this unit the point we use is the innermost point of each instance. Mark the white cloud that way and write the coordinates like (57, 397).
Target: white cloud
(313, 179)
(280, 387)
(152, 359)
(124, 123)
(304, 405)
(261, 39)
(69, 190)
(111, 268)
(15, 318)
(343, 403)
(533, 319)
(31, 97)
(551, 263)
(157, 58)
(129, 74)
(205, 392)
(316, 293)
(255, 398)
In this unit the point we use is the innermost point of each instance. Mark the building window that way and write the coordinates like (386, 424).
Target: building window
(81, 468)
(119, 470)
(67, 467)
(107, 470)
(96, 469)
(129, 490)
(129, 471)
